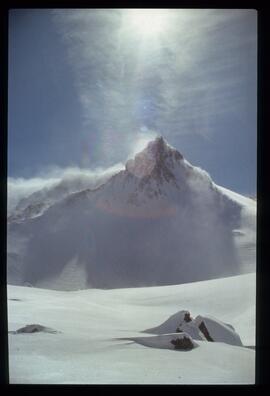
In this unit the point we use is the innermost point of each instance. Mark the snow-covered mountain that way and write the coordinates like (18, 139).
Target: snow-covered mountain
(158, 221)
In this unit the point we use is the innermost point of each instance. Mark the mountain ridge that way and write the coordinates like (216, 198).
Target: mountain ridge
(140, 227)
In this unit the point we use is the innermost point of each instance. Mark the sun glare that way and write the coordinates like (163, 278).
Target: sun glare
(147, 22)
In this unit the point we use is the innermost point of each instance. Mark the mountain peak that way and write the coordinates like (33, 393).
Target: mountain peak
(157, 154)
(157, 147)
(159, 142)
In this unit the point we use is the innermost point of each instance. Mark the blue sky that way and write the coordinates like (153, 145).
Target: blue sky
(88, 87)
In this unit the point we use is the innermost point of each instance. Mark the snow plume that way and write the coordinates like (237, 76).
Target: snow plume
(140, 141)
(213, 217)
(55, 183)
(20, 188)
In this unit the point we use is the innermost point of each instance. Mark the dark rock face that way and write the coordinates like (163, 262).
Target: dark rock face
(205, 332)
(182, 343)
(161, 170)
(160, 163)
(187, 317)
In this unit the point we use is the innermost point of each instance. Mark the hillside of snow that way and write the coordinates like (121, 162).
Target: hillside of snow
(116, 336)
(159, 221)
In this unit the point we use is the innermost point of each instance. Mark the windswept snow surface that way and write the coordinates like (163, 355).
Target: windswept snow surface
(92, 324)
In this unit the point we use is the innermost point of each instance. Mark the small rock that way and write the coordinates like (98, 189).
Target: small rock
(182, 343)
(34, 328)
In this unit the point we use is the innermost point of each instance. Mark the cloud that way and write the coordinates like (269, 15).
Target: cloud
(184, 81)
(55, 183)
(19, 188)
(140, 140)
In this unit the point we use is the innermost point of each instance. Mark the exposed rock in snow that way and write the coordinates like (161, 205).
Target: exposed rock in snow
(203, 328)
(176, 341)
(183, 343)
(34, 328)
(15, 299)
(218, 331)
(205, 331)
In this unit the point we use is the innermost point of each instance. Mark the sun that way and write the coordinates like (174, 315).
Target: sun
(147, 22)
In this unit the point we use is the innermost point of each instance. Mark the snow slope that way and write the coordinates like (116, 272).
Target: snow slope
(245, 235)
(90, 349)
(160, 221)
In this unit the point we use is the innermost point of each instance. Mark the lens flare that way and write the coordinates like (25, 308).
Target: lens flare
(147, 22)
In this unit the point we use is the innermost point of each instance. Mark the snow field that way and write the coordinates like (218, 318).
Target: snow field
(89, 349)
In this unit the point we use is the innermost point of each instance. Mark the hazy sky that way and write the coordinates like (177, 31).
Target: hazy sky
(89, 87)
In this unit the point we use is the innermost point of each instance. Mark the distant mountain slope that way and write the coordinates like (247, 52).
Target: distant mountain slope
(159, 221)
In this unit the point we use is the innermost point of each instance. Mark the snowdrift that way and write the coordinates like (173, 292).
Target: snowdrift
(203, 328)
(176, 341)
